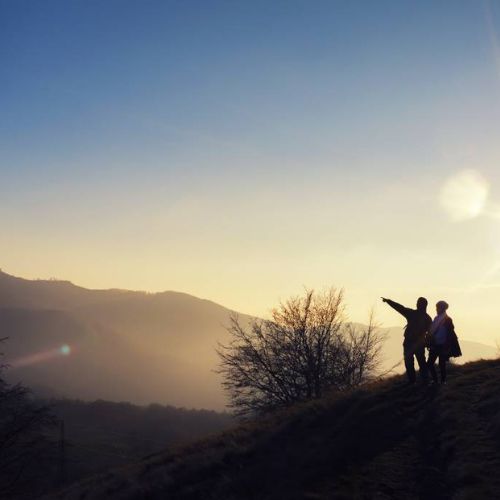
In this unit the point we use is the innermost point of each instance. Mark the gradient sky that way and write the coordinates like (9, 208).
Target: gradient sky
(239, 151)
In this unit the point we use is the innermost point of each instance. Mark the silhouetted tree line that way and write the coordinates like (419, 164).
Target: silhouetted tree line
(103, 434)
(35, 458)
(306, 348)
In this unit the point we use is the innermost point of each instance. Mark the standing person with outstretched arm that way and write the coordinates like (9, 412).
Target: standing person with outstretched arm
(418, 325)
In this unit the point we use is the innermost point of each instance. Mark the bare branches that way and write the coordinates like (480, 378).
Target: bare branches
(304, 349)
(361, 352)
(22, 425)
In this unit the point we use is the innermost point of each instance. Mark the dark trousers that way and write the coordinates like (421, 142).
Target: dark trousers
(412, 351)
(435, 353)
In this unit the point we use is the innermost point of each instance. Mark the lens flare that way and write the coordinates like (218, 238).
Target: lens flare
(40, 357)
(464, 195)
(65, 350)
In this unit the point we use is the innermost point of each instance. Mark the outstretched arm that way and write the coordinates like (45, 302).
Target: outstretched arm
(397, 307)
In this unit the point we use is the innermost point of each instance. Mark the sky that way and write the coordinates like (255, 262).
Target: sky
(241, 151)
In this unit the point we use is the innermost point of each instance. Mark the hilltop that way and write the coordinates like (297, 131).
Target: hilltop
(385, 441)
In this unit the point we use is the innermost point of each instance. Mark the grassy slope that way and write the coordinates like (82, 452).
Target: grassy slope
(384, 441)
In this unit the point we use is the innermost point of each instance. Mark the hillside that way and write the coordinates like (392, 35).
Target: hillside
(385, 441)
(98, 435)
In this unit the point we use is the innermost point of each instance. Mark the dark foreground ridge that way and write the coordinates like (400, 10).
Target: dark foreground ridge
(385, 441)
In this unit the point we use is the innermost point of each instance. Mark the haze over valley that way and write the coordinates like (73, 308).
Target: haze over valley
(121, 345)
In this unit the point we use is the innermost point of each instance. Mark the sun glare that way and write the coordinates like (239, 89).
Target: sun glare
(464, 195)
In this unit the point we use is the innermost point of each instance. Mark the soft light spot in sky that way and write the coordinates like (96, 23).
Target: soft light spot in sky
(464, 195)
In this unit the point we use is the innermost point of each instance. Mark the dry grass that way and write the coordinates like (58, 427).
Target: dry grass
(386, 441)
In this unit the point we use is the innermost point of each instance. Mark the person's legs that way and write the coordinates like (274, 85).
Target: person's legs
(442, 366)
(430, 364)
(409, 364)
(422, 365)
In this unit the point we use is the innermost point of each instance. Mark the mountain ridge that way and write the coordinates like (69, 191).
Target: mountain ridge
(162, 344)
(115, 292)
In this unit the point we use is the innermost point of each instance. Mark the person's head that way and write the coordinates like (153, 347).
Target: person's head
(441, 307)
(422, 304)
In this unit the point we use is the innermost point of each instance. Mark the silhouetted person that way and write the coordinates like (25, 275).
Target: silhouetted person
(416, 330)
(443, 341)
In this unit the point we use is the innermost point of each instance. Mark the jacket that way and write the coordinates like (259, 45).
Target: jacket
(451, 345)
(418, 323)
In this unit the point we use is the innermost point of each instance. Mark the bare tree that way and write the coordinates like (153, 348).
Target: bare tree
(305, 348)
(360, 355)
(22, 437)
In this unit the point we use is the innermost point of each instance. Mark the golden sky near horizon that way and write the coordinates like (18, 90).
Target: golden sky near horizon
(434, 237)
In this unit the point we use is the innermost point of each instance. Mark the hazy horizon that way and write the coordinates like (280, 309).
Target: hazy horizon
(397, 323)
(241, 151)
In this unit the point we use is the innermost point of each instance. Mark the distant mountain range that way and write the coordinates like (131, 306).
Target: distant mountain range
(124, 345)
(120, 345)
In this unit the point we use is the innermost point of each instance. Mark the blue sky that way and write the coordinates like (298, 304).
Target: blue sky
(239, 150)
(176, 83)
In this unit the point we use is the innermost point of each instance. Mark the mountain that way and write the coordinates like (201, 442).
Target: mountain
(112, 344)
(121, 345)
(385, 441)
